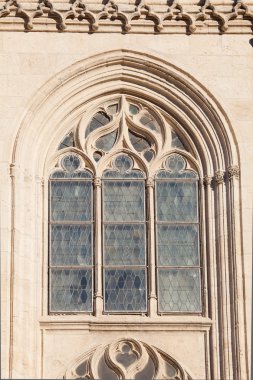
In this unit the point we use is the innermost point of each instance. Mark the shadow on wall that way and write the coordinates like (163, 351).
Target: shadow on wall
(251, 42)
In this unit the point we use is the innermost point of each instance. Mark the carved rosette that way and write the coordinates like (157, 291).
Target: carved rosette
(234, 172)
(124, 359)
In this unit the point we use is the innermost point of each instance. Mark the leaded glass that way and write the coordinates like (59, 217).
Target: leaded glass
(77, 174)
(123, 200)
(139, 143)
(177, 245)
(125, 290)
(133, 109)
(179, 290)
(177, 201)
(71, 200)
(71, 290)
(148, 155)
(124, 244)
(176, 141)
(71, 244)
(97, 156)
(106, 142)
(67, 141)
(71, 163)
(98, 120)
(149, 122)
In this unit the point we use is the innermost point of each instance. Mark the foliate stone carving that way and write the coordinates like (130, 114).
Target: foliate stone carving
(124, 359)
(219, 177)
(234, 172)
(207, 180)
(158, 18)
(150, 182)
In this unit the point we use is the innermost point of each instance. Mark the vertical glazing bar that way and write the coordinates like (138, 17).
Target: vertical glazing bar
(98, 291)
(151, 248)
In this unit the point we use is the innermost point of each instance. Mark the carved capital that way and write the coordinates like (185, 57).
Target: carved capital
(150, 182)
(234, 172)
(97, 182)
(219, 177)
(207, 180)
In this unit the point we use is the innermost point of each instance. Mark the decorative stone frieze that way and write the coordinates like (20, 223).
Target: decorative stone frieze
(159, 18)
(234, 172)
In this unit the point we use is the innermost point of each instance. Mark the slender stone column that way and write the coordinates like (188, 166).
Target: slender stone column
(211, 277)
(98, 291)
(151, 248)
(223, 278)
(237, 269)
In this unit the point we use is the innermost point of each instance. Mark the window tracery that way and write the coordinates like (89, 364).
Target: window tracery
(123, 142)
(127, 359)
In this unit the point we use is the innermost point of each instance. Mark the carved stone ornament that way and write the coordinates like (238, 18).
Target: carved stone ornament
(219, 177)
(159, 18)
(207, 180)
(126, 359)
(234, 172)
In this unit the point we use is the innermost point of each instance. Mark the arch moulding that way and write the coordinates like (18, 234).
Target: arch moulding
(54, 110)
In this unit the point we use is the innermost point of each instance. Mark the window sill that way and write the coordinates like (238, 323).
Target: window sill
(123, 322)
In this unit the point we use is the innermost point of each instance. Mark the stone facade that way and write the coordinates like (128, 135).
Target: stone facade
(194, 62)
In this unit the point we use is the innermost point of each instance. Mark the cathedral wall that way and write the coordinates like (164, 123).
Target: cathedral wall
(221, 63)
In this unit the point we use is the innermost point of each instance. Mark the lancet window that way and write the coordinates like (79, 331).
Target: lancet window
(124, 214)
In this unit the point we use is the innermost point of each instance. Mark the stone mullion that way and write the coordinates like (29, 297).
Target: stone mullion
(223, 278)
(237, 271)
(152, 297)
(98, 284)
(211, 277)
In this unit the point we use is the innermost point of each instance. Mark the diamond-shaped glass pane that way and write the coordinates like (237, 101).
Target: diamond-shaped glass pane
(71, 290)
(179, 290)
(176, 201)
(148, 121)
(124, 244)
(77, 174)
(125, 290)
(71, 244)
(176, 142)
(124, 200)
(177, 245)
(71, 201)
(106, 142)
(71, 163)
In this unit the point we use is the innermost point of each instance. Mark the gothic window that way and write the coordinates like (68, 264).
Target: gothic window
(123, 198)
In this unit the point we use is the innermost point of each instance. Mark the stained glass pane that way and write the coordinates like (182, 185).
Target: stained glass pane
(67, 141)
(179, 290)
(106, 142)
(176, 142)
(77, 174)
(133, 109)
(149, 155)
(98, 120)
(71, 163)
(124, 244)
(177, 201)
(125, 290)
(71, 201)
(149, 122)
(71, 244)
(177, 245)
(139, 143)
(71, 290)
(123, 200)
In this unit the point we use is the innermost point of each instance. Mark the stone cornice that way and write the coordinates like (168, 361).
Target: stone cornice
(121, 17)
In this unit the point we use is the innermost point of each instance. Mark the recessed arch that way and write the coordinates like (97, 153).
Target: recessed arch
(63, 99)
